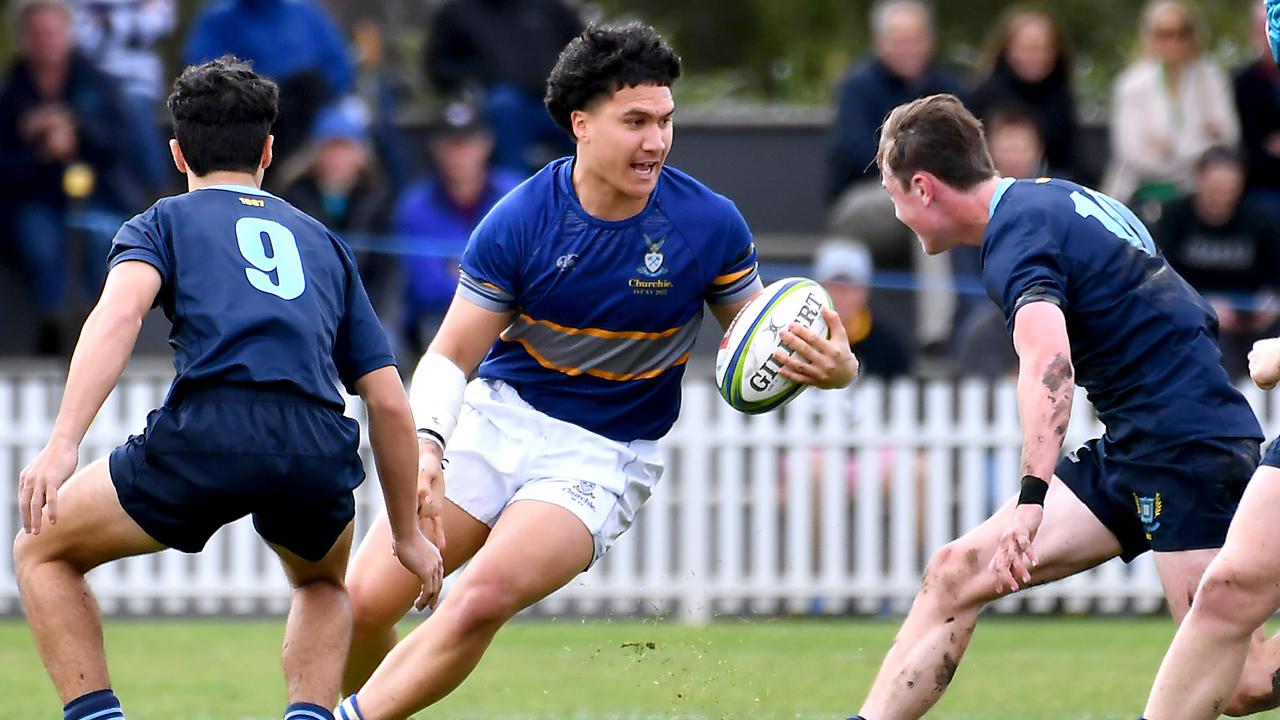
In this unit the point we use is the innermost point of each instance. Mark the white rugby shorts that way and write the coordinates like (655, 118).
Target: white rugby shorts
(503, 450)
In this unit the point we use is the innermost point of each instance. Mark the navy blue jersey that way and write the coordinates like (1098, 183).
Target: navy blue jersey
(1143, 341)
(259, 293)
(605, 313)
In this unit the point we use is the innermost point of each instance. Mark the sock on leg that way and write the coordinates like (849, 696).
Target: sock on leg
(306, 711)
(97, 705)
(348, 709)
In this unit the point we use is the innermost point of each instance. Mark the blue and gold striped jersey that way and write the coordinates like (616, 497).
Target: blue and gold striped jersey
(605, 313)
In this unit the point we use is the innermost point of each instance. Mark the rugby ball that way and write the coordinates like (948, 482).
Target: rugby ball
(746, 371)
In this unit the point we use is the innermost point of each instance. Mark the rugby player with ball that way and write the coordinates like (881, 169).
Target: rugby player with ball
(581, 295)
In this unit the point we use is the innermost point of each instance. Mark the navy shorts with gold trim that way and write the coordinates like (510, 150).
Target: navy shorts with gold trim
(221, 454)
(1178, 499)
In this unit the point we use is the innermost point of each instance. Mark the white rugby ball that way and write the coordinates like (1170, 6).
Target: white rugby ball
(746, 371)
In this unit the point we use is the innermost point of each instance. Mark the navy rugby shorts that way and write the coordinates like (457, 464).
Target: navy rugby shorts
(221, 454)
(1182, 498)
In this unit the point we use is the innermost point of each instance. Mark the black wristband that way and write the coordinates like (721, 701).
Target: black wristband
(1033, 491)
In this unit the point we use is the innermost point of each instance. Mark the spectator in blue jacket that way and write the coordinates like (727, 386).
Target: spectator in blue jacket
(294, 42)
(435, 217)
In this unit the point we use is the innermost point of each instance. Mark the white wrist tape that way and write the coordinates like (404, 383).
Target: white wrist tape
(435, 394)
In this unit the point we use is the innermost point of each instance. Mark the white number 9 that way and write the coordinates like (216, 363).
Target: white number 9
(271, 248)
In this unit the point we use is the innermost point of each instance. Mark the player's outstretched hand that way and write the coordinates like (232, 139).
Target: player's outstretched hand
(431, 492)
(822, 362)
(1015, 557)
(1264, 363)
(38, 483)
(421, 558)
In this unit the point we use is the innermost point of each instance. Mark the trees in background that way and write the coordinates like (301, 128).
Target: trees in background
(795, 51)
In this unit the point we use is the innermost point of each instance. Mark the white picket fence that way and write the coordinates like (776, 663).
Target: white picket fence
(832, 505)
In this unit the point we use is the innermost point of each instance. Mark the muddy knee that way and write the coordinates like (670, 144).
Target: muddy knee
(1237, 611)
(954, 578)
(1227, 603)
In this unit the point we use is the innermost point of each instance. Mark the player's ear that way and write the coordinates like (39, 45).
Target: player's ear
(267, 155)
(922, 186)
(578, 120)
(179, 160)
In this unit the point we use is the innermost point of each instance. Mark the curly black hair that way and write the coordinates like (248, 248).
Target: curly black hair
(604, 59)
(222, 113)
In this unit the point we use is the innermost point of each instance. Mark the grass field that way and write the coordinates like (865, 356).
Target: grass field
(1054, 669)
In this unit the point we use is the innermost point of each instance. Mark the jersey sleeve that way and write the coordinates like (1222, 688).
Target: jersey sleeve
(1022, 264)
(490, 270)
(737, 275)
(140, 239)
(361, 344)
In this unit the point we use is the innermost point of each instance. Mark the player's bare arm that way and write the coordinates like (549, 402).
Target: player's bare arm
(1046, 387)
(391, 434)
(1264, 363)
(104, 347)
(466, 334)
(724, 314)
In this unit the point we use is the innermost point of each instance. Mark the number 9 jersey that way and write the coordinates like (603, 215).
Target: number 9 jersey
(259, 294)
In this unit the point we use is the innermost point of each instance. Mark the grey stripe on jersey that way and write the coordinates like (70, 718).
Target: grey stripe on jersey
(608, 354)
(486, 295)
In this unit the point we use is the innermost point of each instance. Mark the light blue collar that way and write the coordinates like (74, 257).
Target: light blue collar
(999, 193)
(242, 189)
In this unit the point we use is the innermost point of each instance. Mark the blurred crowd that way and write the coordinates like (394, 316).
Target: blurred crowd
(1194, 149)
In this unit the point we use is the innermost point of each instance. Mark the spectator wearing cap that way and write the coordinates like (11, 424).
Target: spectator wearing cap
(337, 181)
(500, 52)
(1228, 248)
(844, 269)
(61, 125)
(435, 216)
(294, 42)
